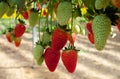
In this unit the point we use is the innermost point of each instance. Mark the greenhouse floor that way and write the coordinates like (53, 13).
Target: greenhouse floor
(18, 63)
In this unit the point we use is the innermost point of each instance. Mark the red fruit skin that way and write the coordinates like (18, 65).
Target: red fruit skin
(69, 59)
(51, 58)
(89, 27)
(72, 38)
(17, 41)
(91, 37)
(8, 36)
(19, 30)
(59, 39)
(118, 26)
(25, 15)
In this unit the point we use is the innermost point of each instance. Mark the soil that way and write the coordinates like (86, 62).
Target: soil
(18, 63)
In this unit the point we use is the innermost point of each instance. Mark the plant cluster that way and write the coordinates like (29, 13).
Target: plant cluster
(62, 23)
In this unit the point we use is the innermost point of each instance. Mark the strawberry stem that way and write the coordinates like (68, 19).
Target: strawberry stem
(71, 47)
(71, 21)
(51, 12)
(39, 25)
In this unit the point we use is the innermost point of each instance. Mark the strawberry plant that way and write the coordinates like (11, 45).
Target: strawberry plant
(58, 23)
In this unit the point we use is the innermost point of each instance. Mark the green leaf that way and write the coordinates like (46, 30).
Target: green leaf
(89, 3)
(20, 3)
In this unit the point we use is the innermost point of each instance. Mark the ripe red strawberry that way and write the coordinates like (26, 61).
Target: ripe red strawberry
(25, 15)
(59, 39)
(17, 41)
(8, 36)
(51, 58)
(118, 26)
(69, 59)
(89, 27)
(19, 30)
(91, 37)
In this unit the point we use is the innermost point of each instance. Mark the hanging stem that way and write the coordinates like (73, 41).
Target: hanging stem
(47, 18)
(51, 12)
(39, 25)
(71, 20)
(50, 9)
(17, 14)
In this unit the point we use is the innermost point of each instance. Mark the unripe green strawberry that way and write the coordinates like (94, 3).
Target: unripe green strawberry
(46, 38)
(33, 18)
(38, 52)
(64, 12)
(3, 8)
(99, 4)
(101, 27)
(10, 11)
(40, 60)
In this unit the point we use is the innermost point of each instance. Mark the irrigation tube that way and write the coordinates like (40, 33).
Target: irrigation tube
(34, 32)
